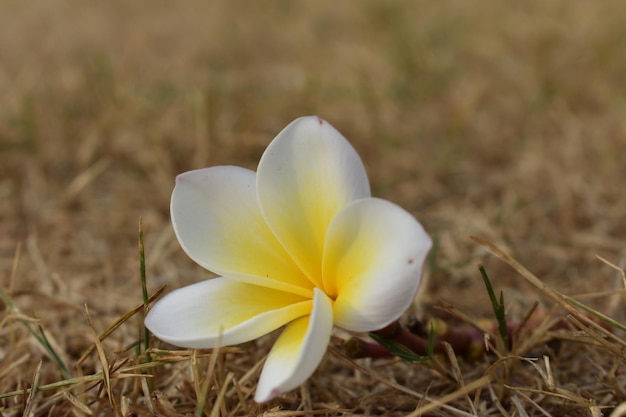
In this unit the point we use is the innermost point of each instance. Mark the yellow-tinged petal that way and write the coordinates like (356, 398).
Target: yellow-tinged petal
(196, 315)
(298, 350)
(217, 220)
(307, 174)
(373, 262)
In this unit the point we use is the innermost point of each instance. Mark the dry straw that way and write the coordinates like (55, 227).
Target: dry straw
(481, 118)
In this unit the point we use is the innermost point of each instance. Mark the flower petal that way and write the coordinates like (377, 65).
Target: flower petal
(373, 263)
(196, 315)
(218, 222)
(306, 175)
(298, 351)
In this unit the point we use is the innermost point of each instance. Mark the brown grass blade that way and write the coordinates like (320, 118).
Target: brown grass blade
(104, 361)
(30, 401)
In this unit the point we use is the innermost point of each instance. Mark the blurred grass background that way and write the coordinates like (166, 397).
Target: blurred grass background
(497, 119)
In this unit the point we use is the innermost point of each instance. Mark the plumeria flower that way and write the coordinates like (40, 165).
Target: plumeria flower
(300, 243)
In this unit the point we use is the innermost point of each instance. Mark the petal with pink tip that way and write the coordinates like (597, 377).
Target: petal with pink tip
(373, 262)
(198, 315)
(307, 174)
(298, 350)
(218, 222)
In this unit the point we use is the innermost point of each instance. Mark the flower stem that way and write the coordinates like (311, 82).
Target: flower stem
(466, 342)
(395, 332)
(358, 348)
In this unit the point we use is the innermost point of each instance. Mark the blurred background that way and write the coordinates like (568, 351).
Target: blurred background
(496, 119)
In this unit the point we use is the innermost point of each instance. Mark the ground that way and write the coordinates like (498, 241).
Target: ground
(489, 119)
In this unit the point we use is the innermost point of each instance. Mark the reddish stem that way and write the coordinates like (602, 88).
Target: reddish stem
(395, 332)
(359, 348)
(465, 342)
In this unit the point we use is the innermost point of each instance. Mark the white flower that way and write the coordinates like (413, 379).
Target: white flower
(300, 243)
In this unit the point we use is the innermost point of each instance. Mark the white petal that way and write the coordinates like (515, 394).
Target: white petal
(298, 351)
(373, 262)
(218, 222)
(194, 316)
(306, 175)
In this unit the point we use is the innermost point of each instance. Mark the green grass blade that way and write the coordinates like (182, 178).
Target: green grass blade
(144, 286)
(39, 336)
(596, 313)
(46, 344)
(498, 308)
(401, 351)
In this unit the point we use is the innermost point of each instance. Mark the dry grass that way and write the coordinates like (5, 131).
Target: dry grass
(498, 120)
